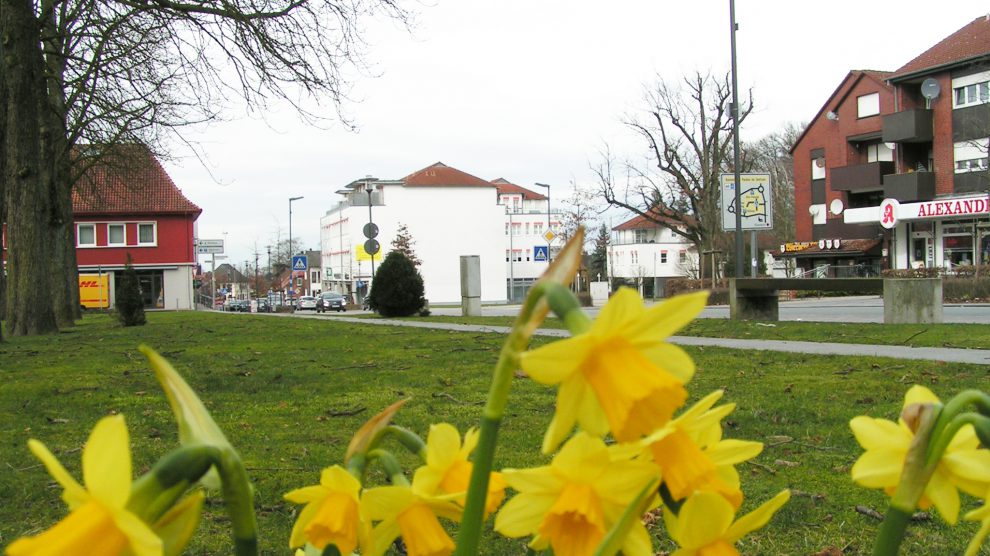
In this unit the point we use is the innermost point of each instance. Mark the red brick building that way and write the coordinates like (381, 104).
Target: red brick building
(135, 209)
(898, 161)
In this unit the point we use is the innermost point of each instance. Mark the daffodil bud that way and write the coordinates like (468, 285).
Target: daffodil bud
(912, 414)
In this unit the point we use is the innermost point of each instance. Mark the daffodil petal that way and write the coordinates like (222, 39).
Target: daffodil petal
(638, 542)
(664, 319)
(758, 517)
(298, 536)
(533, 480)
(569, 403)
(337, 478)
(554, 362)
(878, 468)
(443, 444)
(672, 359)
(74, 494)
(625, 480)
(879, 433)
(970, 469)
(701, 406)
(307, 494)
(703, 518)
(919, 394)
(731, 452)
(522, 515)
(382, 502)
(382, 536)
(944, 497)
(623, 307)
(470, 440)
(590, 415)
(584, 454)
(106, 462)
(141, 539)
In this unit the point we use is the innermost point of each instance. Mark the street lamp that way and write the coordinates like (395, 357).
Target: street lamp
(290, 226)
(512, 256)
(370, 189)
(548, 216)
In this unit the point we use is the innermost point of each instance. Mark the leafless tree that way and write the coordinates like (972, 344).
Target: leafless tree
(133, 71)
(771, 155)
(687, 127)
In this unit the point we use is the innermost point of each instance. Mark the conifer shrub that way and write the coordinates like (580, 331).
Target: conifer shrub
(128, 302)
(397, 289)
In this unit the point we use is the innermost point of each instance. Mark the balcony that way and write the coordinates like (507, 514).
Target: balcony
(908, 126)
(909, 187)
(860, 177)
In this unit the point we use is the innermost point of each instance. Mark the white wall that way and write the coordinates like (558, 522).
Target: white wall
(178, 290)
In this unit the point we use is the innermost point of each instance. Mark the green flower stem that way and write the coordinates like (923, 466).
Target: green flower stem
(914, 478)
(948, 415)
(944, 436)
(156, 491)
(357, 466)
(566, 306)
(392, 467)
(412, 441)
(238, 497)
(469, 534)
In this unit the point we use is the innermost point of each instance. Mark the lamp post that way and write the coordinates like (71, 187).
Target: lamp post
(735, 141)
(512, 257)
(548, 215)
(370, 189)
(290, 226)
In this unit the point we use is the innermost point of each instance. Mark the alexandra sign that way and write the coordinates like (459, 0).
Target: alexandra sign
(892, 212)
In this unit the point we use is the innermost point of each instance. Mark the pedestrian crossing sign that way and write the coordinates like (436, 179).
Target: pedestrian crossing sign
(540, 253)
(299, 262)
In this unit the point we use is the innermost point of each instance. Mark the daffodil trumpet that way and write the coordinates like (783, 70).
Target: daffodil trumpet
(531, 315)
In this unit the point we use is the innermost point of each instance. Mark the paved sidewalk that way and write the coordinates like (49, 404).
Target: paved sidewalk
(951, 355)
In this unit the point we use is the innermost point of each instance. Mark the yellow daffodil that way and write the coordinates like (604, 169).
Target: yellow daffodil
(620, 376)
(983, 516)
(447, 469)
(98, 522)
(963, 466)
(571, 504)
(693, 456)
(332, 514)
(704, 526)
(412, 513)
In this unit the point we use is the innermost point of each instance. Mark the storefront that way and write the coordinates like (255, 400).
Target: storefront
(944, 233)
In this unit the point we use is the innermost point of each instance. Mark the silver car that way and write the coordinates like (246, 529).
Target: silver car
(306, 302)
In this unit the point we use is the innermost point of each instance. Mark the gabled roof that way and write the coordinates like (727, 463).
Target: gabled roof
(969, 43)
(840, 93)
(504, 186)
(227, 273)
(441, 175)
(640, 222)
(131, 181)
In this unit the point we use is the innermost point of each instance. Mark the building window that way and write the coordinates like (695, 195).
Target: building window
(683, 257)
(817, 168)
(663, 257)
(976, 93)
(116, 235)
(634, 257)
(85, 235)
(146, 234)
(879, 152)
(506, 228)
(971, 165)
(971, 156)
(868, 105)
(527, 228)
(639, 236)
(516, 228)
(506, 255)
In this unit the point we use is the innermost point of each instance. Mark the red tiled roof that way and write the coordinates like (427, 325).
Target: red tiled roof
(133, 182)
(504, 186)
(640, 222)
(441, 175)
(972, 41)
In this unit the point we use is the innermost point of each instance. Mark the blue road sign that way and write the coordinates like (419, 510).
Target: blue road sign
(540, 253)
(299, 262)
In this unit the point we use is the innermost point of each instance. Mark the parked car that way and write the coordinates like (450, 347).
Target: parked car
(306, 302)
(330, 301)
(264, 306)
(239, 306)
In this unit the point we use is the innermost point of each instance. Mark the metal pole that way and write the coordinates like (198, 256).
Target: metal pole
(735, 141)
(548, 216)
(754, 254)
(213, 281)
(369, 190)
(512, 258)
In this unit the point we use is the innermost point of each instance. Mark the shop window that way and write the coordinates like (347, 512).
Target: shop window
(116, 234)
(147, 234)
(86, 235)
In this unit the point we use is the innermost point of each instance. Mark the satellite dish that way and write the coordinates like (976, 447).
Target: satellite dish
(835, 207)
(930, 89)
(830, 115)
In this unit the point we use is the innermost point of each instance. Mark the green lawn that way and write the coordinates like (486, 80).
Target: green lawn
(970, 336)
(290, 392)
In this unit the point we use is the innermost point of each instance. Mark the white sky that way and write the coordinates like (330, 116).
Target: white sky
(529, 91)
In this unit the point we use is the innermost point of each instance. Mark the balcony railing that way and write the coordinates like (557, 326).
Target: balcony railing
(860, 177)
(908, 126)
(910, 187)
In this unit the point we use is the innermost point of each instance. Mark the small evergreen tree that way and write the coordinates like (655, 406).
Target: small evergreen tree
(598, 268)
(403, 243)
(397, 289)
(129, 305)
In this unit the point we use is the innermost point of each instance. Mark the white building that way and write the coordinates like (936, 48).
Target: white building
(646, 254)
(527, 219)
(448, 213)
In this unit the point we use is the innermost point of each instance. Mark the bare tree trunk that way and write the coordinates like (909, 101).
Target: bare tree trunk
(28, 307)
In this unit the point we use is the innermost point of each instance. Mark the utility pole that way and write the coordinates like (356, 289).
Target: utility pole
(735, 141)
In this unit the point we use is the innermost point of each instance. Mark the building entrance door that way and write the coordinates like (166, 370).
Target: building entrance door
(922, 252)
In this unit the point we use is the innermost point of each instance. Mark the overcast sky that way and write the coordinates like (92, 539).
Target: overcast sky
(530, 91)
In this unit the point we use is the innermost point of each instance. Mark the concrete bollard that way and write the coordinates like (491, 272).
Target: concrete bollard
(470, 286)
(912, 300)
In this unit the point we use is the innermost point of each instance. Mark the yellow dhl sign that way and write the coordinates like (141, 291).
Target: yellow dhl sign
(94, 291)
(798, 246)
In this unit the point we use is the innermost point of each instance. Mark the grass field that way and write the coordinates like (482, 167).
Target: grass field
(290, 392)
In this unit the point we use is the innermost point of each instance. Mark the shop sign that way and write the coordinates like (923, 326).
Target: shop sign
(797, 246)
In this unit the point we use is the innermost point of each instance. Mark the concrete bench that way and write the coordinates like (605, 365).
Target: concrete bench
(905, 300)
